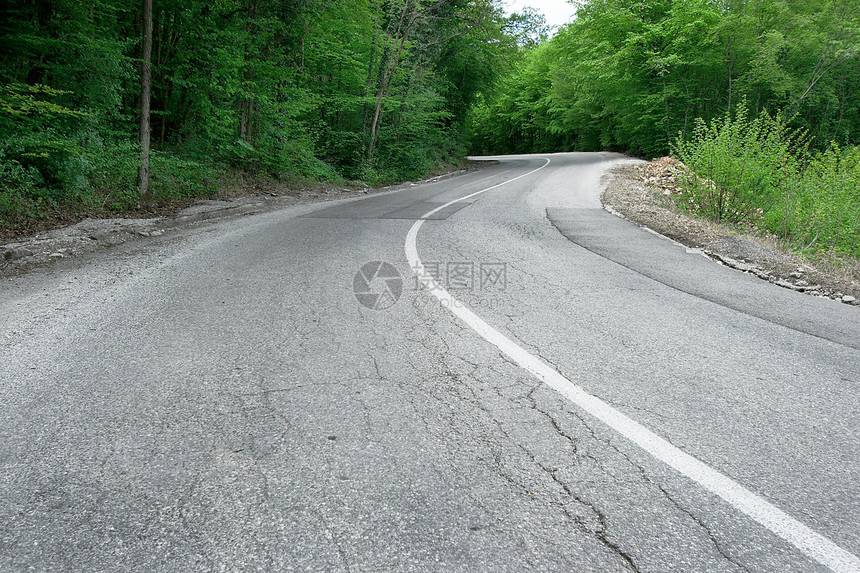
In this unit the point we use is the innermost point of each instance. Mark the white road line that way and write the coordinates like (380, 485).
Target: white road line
(811, 543)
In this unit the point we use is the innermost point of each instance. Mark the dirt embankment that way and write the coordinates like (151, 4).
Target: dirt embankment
(644, 193)
(19, 254)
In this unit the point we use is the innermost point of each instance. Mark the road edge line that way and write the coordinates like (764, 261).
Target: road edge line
(809, 542)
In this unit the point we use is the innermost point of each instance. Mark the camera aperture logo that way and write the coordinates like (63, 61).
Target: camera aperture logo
(377, 285)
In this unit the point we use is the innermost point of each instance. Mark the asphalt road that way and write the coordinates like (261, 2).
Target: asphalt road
(566, 392)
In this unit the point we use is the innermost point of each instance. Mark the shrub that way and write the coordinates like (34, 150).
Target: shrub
(172, 177)
(18, 191)
(114, 176)
(760, 173)
(823, 211)
(739, 166)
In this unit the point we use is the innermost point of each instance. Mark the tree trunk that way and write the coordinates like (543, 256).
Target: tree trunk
(246, 113)
(374, 124)
(145, 85)
(370, 77)
(730, 58)
(391, 68)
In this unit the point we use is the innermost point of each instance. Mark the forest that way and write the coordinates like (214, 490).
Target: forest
(632, 75)
(293, 90)
(761, 97)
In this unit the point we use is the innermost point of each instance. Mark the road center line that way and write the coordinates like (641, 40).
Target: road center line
(811, 543)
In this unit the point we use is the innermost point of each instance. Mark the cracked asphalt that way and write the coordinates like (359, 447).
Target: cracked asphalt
(217, 398)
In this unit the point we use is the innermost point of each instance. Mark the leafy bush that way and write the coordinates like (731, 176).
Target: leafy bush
(822, 210)
(173, 178)
(18, 185)
(760, 173)
(114, 176)
(296, 159)
(110, 184)
(44, 138)
(740, 167)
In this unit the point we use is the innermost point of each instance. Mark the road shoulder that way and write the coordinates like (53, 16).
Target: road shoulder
(627, 195)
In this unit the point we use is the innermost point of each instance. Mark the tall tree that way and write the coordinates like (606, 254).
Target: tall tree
(360, 89)
(398, 40)
(629, 75)
(145, 85)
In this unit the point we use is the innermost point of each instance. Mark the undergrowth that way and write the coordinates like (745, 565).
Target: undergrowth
(760, 173)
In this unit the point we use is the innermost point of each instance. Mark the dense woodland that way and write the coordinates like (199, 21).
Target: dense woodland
(761, 97)
(630, 75)
(376, 90)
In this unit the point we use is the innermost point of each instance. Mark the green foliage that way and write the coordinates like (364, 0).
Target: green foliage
(288, 90)
(18, 191)
(740, 167)
(175, 178)
(389, 90)
(41, 134)
(761, 173)
(822, 211)
(113, 177)
(628, 75)
(520, 117)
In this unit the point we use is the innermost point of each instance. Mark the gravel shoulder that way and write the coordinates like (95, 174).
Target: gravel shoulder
(631, 194)
(24, 253)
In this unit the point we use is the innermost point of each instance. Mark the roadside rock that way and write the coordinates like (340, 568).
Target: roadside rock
(741, 249)
(665, 173)
(17, 253)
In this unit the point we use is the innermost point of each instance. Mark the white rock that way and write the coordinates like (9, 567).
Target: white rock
(18, 253)
(848, 298)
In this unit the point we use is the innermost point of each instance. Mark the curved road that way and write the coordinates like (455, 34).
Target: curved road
(554, 389)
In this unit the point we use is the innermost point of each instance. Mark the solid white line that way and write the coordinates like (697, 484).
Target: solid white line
(811, 543)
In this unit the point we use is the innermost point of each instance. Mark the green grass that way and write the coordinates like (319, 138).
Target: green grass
(105, 186)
